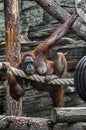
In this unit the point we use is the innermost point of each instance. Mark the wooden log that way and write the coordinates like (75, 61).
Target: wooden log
(12, 49)
(60, 14)
(23, 123)
(69, 114)
(46, 16)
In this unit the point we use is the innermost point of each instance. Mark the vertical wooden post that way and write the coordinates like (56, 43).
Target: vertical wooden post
(12, 48)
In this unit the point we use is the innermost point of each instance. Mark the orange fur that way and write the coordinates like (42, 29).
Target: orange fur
(45, 67)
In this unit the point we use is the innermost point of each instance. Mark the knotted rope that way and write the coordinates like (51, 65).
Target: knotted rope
(34, 77)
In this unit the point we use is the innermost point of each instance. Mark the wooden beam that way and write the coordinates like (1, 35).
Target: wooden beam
(69, 114)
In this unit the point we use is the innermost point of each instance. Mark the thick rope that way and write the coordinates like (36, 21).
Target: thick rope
(41, 79)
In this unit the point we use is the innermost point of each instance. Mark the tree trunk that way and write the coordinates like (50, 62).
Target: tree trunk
(12, 49)
(59, 13)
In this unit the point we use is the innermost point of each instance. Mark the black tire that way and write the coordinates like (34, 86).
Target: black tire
(80, 78)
